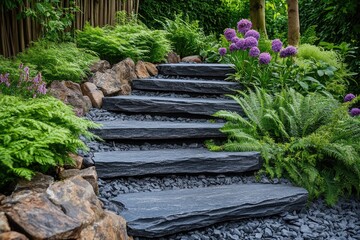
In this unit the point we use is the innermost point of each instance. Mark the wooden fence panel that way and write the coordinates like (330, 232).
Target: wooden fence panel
(16, 34)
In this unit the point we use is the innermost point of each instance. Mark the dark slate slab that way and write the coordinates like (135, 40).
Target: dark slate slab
(196, 70)
(155, 214)
(165, 105)
(142, 130)
(189, 86)
(173, 161)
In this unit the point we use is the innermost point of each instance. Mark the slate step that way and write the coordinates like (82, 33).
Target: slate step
(166, 105)
(215, 70)
(155, 130)
(188, 86)
(173, 161)
(156, 214)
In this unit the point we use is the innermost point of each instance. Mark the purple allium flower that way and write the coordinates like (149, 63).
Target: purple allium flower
(229, 33)
(264, 58)
(241, 44)
(243, 26)
(252, 33)
(235, 39)
(349, 97)
(254, 52)
(276, 45)
(355, 112)
(289, 51)
(222, 51)
(250, 42)
(233, 47)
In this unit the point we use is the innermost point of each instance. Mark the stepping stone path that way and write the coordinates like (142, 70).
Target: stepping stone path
(156, 214)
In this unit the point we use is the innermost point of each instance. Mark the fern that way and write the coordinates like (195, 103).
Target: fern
(37, 135)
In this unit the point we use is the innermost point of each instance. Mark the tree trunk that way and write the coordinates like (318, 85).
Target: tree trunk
(293, 23)
(257, 15)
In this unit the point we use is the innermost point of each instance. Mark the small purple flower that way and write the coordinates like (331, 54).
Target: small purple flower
(233, 47)
(264, 58)
(5, 79)
(241, 44)
(254, 52)
(250, 42)
(243, 26)
(42, 89)
(26, 70)
(349, 97)
(355, 112)
(289, 51)
(222, 51)
(276, 45)
(235, 39)
(252, 33)
(229, 33)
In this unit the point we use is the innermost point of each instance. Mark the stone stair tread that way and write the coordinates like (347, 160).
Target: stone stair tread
(155, 130)
(186, 85)
(156, 214)
(173, 161)
(196, 69)
(155, 104)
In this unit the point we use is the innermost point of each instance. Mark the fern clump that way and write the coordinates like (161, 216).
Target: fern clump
(312, 139)
(37, 135)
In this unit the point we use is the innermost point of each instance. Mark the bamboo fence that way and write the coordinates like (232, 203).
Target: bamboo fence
(17, 33)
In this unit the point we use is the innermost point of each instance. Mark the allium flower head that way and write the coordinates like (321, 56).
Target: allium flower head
(241, 44)
(229, 33)
(243, 26)
(289, 51)
(264, 58)
(222, 51)
(355, 112)
(233, 47)
(276, 45)
(254, 52)
(349, 97)
(250, 42)
(235, 39)
(252, 33)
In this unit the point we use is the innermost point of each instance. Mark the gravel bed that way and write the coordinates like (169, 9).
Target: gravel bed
(177, 95)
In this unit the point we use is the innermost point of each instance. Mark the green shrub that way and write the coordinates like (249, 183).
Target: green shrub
(312, 140)
(132, 40)
(37, 135)
(58, 61)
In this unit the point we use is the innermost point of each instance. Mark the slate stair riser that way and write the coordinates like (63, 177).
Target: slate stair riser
(165, 105)
(156, 214)
(196, 70)
(187, 86)
(183, 161)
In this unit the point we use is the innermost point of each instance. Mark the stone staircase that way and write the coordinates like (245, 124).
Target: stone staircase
(160, 213)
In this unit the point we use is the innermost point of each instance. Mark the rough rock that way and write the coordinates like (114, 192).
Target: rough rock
(87, 102)
(172, 57)
(192, 59)
(78, 161)
(4, 223)
(124, 71)
(70, 93)
(151, 68)
(12, 236)
(141, 70)
(174, 161)
(110, 227)
(96, 95)
(214, 70)
(100, 66)
(125, 89)
(155, 214)
(39, 183)
(146, 104)
(89, 174)
(39, 218)
(145, 130)
(106, 82)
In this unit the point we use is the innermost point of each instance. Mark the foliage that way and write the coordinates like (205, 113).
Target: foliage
(132, 40)
(58, 61)
(37, 135)
(312, 139)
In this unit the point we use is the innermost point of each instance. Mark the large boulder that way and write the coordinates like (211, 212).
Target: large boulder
(96, 95)
(89, 174)
(124, 71)
(106, 82)
(141, 70)
(100, 66)
(192, 59)
(70, 93)
(151, 68)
